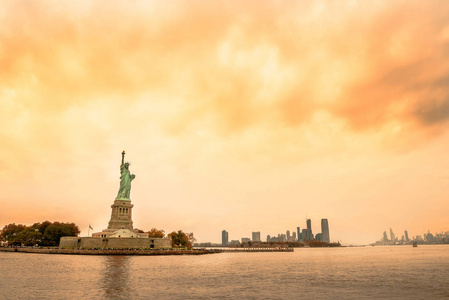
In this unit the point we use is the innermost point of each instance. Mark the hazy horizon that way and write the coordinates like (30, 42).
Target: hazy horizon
(237, 116)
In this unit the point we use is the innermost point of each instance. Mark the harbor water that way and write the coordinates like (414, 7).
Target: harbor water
(395, 272)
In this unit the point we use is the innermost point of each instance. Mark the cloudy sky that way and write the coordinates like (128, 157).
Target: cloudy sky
(245, 116)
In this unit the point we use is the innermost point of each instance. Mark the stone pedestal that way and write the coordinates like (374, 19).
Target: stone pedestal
(121, 223)
(121, 215)
(120, 233)
(73, 242)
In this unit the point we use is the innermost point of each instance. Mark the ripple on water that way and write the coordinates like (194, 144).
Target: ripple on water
(350, 273)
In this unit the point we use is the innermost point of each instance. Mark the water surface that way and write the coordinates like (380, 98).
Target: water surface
(327, 273)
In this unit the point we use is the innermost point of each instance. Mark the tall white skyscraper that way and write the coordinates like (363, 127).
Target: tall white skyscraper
(325, 237)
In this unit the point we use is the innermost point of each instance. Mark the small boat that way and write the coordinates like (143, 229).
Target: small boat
(415, 244)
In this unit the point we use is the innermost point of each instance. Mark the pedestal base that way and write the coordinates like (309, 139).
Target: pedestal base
(121, 215)
(70, 242)
(106, 233)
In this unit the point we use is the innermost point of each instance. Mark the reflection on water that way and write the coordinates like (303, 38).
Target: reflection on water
(115, 276)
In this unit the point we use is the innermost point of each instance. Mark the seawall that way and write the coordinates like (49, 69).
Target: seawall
(109, 252)
(139, 252)
(73, 242)
(246, 250)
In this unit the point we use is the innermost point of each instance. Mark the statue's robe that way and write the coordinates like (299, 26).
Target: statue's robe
(125, 183)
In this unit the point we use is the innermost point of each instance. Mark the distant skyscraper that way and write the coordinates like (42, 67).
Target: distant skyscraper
(298, 233)
(224, 238)
(428, 236)
(288, 235)
(256, 236)
(325, 237)
(385, 238)
(309, 230)
(406, 236)
(268, 238)
(304, 235)
(284, 237)
(294, 237)
(245, 240)
(392, 236)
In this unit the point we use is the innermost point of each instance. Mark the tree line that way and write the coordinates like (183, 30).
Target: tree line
(45, 234)
(48, 234)
(179, 239)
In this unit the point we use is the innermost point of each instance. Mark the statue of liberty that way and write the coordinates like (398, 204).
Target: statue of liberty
(125, 180)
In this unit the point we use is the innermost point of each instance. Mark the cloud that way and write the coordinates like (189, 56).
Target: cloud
(435, 112)
(226, 103)
(227, 67)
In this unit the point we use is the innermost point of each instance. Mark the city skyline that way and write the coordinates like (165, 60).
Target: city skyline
(288, 236)
(441, 237)
(245, 116)
(324, 236)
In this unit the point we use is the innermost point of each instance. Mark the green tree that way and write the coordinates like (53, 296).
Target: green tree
(156, 233)
(56, 230)
(42, 234)
(10, 233)
(182, 239)
(41, 226)
(30, 237)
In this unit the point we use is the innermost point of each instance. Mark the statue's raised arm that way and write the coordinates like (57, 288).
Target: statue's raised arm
(125, 180)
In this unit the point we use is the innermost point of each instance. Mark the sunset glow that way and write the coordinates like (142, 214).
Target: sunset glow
(238, 116)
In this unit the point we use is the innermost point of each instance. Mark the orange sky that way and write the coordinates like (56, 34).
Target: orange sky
(243, 116)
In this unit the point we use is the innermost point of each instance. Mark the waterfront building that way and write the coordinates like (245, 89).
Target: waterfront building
(319, 237)
(406, 236)
(256, 236)
(325, 237)
(392, 236)
(279, 238)
(234, 243)
(429, 237)
(304, 235)
(224, 237)
(298, 233)
(294, 237)
(245, 240)
(309, 236)
(288, 235)
(385, 238)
